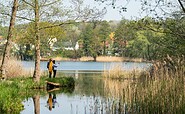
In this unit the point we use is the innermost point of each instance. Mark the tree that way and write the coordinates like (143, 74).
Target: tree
(87, 38)
(6, 53)
(36, 75)
(53, 11)
(73, 36)
(104, 32)
(125, 32)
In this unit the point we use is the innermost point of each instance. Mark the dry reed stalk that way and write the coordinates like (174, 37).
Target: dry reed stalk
(15, 69)
(86, 59)
(110, 59)
(117, 72)
(167, 93)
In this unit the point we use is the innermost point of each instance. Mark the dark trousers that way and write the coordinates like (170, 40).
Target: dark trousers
(54, 73)
(50, 73)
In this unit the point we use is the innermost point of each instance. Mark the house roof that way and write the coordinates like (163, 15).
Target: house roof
(1, 37)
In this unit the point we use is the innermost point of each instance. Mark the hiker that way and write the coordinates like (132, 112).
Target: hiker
(50, 67)
(54, 68)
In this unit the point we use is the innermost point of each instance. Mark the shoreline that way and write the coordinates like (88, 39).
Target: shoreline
(99, 59)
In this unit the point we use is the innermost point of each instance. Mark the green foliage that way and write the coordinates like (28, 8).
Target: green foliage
(174, 38)
(87, 38)
(146, 38)
(103, 34)
(71, 54)
(94, 38)
(63, 81)
(3, 31)
(14, 91)
(26, 38)
(125, 32)
(10, 102)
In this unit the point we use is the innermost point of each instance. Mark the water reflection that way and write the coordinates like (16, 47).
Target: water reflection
(52, 101)
(55, 103)
(91, 95)
(36, 100)
(88, 97)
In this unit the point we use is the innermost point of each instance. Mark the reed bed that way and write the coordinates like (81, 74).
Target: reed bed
(14, 68)
(159, 90)
(117, 72)
(99, 59)
(111, 59)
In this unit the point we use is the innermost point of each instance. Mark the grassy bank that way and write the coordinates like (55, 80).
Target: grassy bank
(15, 90)
(12, 93)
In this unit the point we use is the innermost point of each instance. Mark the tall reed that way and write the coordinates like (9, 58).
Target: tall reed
(117, 72)
(14, 68)
(159, 94)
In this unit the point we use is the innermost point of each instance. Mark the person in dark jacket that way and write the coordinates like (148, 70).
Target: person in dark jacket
(54, 69)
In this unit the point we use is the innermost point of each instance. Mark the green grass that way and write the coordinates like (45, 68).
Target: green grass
(15, 90)
(64, 81)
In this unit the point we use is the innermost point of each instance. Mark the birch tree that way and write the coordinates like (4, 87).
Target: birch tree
(6, 54)
(54, 11)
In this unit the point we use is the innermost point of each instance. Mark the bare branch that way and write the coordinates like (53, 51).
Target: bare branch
(28, 3)
(56, 25)
(49, 4)
(18, 17)
(181, 6)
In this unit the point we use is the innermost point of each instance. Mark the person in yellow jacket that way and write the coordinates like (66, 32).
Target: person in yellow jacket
(50, 67)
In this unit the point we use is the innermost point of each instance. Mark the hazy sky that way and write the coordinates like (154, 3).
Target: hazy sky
(133, 9)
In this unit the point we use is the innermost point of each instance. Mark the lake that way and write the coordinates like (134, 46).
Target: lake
(88, 66)
(92, 94)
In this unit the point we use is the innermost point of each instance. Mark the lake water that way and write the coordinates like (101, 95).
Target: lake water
(88, 66)
(91, 94)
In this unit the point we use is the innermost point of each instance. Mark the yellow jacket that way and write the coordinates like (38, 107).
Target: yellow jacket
(50, 66)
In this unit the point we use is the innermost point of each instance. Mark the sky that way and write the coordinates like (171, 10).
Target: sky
(133, 10)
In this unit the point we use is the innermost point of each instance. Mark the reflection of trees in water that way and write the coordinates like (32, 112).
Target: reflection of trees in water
(89, 84)
(52, 100)
(36, 101)
(106, 95)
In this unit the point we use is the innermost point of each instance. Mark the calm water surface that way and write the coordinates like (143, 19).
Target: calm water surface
(88, 66)
(90, 95)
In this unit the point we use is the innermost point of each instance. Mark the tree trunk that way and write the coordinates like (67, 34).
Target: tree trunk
(6, 54)
(36, 75)
(36, 100)
(104, 48)
(94, 57)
